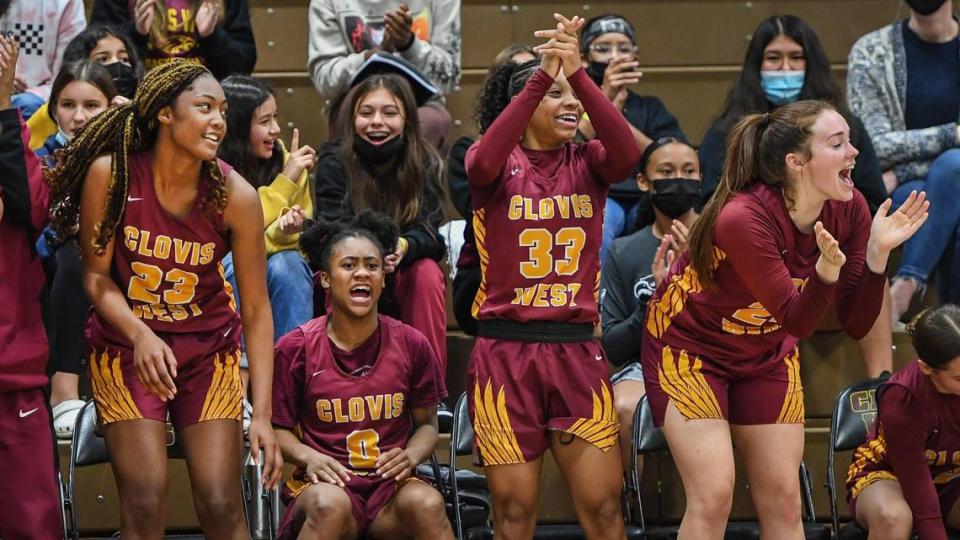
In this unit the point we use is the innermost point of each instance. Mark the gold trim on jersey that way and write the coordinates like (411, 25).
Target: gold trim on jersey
(480, 236)
(871, 453)
(491, 423)
(603, 429)
(113, 398)
(687, 387)
(227, 287)
(792, 411)
(674, 298)
(224, 396)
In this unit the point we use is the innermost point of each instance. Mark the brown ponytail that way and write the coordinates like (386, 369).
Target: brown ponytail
(756, 151)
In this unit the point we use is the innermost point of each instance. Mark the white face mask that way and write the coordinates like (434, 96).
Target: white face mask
(63, 138)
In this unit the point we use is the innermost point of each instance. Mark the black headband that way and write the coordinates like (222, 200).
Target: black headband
(606, 24)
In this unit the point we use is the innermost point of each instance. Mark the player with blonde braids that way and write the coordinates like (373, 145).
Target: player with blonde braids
(157, 213)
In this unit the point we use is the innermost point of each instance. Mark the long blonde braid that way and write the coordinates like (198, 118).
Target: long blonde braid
(119, 131)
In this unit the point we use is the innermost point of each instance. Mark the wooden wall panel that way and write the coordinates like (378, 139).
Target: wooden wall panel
(280, 29)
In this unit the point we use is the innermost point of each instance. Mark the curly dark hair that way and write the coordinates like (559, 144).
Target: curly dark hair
(502, 83)
(319, 236)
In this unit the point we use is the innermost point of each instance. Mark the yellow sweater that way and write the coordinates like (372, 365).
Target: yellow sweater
(277, 199)
(41, 127)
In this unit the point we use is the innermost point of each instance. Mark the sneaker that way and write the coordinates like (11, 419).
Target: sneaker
(247, 415)
(65, 416)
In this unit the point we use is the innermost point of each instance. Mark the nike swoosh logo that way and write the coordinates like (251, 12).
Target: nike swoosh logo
(315, 373)
(134, 199)
(598, 357)
(28, 413)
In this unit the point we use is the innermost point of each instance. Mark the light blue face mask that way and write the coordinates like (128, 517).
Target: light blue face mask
(782, 87)
(63, 138)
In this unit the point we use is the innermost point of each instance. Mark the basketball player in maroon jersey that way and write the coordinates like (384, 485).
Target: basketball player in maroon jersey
(906, 477)
(29, 491)
(157, 213)
(538, 378)
(355, 401)
(785, 236)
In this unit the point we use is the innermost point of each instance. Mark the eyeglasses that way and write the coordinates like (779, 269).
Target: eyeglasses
(605, 49)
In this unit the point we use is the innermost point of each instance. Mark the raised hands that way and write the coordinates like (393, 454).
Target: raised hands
(143, 13)
(302, 158)
(562, 50)
(207, 17)
(889, 230)
(398, 25)
(9, 53)
(831, 256)
(620, 73)
(673, 244)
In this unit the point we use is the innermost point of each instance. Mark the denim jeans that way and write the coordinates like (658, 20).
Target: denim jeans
(937, 237)
(617, 221)
(289, 285)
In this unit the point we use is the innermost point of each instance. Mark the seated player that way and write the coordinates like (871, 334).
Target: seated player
(904, 478)
(361, 392)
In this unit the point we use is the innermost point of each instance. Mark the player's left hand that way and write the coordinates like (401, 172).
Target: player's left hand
(889, 230)
(263, 446)
(395, 463)
(207, 18)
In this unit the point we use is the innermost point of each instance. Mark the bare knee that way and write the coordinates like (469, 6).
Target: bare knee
(514, 512)
(892, 520)
(424, 512)
(625, 404)
(602, 512)
(219, 507)
(710, 503)
(146, 508)
(322, 507)
(781, 502)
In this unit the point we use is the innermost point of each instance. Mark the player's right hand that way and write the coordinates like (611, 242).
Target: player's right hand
(323, 468)
(155, 365)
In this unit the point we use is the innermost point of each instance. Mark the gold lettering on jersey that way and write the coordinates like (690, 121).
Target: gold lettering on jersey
(547, 295)
(940, 458)
(566, 206)
(163, 246)
(360, 408)
(755, 319)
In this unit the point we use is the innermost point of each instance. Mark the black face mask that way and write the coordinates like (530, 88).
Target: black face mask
(124, 78)
(925, 7)
(675, 196)
(596, 70)
(378, 154)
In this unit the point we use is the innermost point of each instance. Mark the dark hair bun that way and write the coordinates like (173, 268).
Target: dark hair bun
(315, 234)
(381, 226)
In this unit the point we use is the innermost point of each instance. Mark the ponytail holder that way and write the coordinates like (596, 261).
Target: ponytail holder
(766, 119)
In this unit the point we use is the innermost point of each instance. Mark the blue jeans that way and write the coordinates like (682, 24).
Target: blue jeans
(27, 102)
(617, 221)
(289, 285)
(938, 235)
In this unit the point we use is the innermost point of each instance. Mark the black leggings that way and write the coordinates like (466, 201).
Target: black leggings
(465, 287)
(68, 308)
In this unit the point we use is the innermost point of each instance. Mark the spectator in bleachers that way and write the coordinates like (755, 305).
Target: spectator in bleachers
(608, 49)
(81, 90)
(344, 33)
(282, 179)
(785, 62)
(42, 28)
(903, 81)
(215, 33)
(467, 279)
(381, 161)
(29, 490)
(669, 182)
(106, 46)
(904, 478)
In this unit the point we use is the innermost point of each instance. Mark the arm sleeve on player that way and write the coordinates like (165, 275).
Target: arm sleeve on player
(859, 290)
(904, 435)
(428, 388)
(487, 157)
(288, 379)
(26, 198)
(620, 319)
(749, 240)
(616, 156)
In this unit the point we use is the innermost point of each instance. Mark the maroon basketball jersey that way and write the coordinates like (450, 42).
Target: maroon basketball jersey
(762, 263)
(538, 231)
(170, 268)
(353, 418)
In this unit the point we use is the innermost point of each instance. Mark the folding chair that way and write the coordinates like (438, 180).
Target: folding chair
(88, 448)
(649, 439)
(474, 488)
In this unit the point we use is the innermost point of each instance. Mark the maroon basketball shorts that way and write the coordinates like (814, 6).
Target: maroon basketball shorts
(520, 391)
(368, 495)
(701, 388)
(207, 382)
(29, 496)
(865, 472)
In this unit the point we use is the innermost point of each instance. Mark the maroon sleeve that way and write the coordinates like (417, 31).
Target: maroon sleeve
(899, 416)
(616, 156)
(860, 290)
(288, 379)
(486, 158)
(748, 239)
(427, 387)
